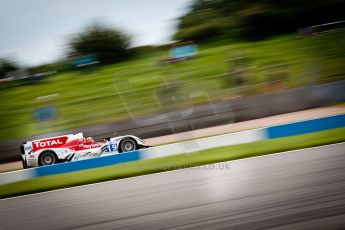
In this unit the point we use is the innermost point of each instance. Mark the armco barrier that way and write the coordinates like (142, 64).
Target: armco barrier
(303, 127)
(14, 176)
(204, 143)
(290, 129)
(88, 164)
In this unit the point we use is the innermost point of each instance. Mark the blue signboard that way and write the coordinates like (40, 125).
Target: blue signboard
(45, 113)
(181, 52)
(85, 61)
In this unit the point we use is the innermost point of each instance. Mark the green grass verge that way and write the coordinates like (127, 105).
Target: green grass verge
(172, 162)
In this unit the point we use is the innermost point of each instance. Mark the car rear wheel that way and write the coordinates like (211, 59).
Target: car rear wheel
(47, 158)
(128, 145)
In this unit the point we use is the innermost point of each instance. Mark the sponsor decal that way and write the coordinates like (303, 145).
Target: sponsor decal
(27, 148)
(49, 143)
(96, 145)
(32, 161)
(92, 146)
(86, 155)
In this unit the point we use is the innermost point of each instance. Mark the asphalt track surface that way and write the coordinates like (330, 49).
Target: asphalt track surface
(302, 189)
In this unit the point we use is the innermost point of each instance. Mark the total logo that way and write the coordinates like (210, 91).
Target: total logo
(54, 142)
(47, 143)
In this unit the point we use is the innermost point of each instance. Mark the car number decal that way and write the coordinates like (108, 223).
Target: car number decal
(109, 148)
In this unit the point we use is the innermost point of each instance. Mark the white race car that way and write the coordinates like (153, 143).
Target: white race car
(75, 147)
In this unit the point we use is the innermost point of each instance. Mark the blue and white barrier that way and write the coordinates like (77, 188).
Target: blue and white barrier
(248, 136)
(14, 176)
(204, 143)
(303, 127)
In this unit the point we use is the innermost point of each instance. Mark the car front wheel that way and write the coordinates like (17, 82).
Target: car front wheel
(128, 145)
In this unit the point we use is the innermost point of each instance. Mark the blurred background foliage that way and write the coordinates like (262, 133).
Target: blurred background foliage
(254, 20)
(6, 66)
(109, 45)
(245, 48)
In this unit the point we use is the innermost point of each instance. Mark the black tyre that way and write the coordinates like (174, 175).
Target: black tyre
(47, 158)
(25, 165)
(127, 145)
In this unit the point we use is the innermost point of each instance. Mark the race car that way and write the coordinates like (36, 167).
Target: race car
(75, 147)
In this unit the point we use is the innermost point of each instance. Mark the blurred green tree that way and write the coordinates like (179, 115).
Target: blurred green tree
(6, 66)
(109, 45)
(253, 20)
